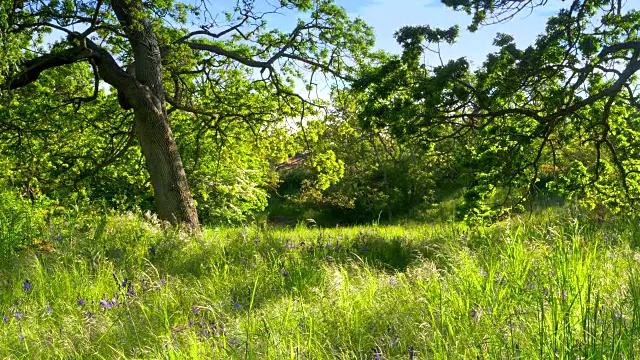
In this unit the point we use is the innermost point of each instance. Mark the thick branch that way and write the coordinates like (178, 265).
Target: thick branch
(34, 67)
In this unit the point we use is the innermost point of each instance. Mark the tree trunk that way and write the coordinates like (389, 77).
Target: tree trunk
(173, 199)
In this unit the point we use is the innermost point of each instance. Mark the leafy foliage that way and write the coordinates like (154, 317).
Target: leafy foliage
(567, 102)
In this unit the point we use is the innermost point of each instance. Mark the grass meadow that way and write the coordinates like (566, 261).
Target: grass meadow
(550, 285)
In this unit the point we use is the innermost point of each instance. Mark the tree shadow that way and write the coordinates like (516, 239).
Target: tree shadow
(277, 268)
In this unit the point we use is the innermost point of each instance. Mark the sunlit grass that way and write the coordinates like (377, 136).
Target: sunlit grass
(551, 285)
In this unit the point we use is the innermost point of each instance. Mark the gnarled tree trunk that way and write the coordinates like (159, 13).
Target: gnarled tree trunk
(172, 196)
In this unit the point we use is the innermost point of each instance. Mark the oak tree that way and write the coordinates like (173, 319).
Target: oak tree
(564, 108)
(160, 56)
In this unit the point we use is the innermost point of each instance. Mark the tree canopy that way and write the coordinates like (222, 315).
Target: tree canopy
(178, 61)
(565, 106)
(185, 107)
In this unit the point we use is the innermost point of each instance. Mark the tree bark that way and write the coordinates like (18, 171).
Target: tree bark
(173, 199)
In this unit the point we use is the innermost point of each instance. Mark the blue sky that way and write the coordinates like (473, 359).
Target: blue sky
(387, 16)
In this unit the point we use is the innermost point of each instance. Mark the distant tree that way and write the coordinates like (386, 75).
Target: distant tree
(165, 56)
(566, 105)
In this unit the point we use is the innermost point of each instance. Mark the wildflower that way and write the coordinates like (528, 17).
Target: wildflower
(545, 291)
(412, 352)
(5, 319)
(393, 282)
(195, 310)
(105, 304)
(89, 314)
(364, 248)
(618, 315)
(49, 309)
(394, 340)
(21, 337)
(80, 302)
(483, 273)
(474, 314)
(285, 274)
(152, 250)
(206, 333)
(237, 306)
(124, 283)
(163, 281)
(17, 315)
(190, 323)
(27, 286)
(131, 292)
(58, 238)
(328, 246)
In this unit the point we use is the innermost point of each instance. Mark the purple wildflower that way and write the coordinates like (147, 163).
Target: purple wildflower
(474, 314)
(27, 286)
(364, 248)
(124, 283)
(152, 250)
(17, 315)
(49, 309)
(131, 292)
(21, 337)
(237, 306)
(89, 314)
(80, 302)
(105, 304)
(195, 310)
(328, 246)
(5, 319)
(285, 274)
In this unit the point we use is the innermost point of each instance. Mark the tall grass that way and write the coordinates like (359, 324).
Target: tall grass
(552, 286)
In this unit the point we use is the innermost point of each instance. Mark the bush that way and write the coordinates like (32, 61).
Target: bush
(21, 222)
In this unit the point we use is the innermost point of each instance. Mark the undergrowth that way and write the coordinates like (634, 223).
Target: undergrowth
(554, 285)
